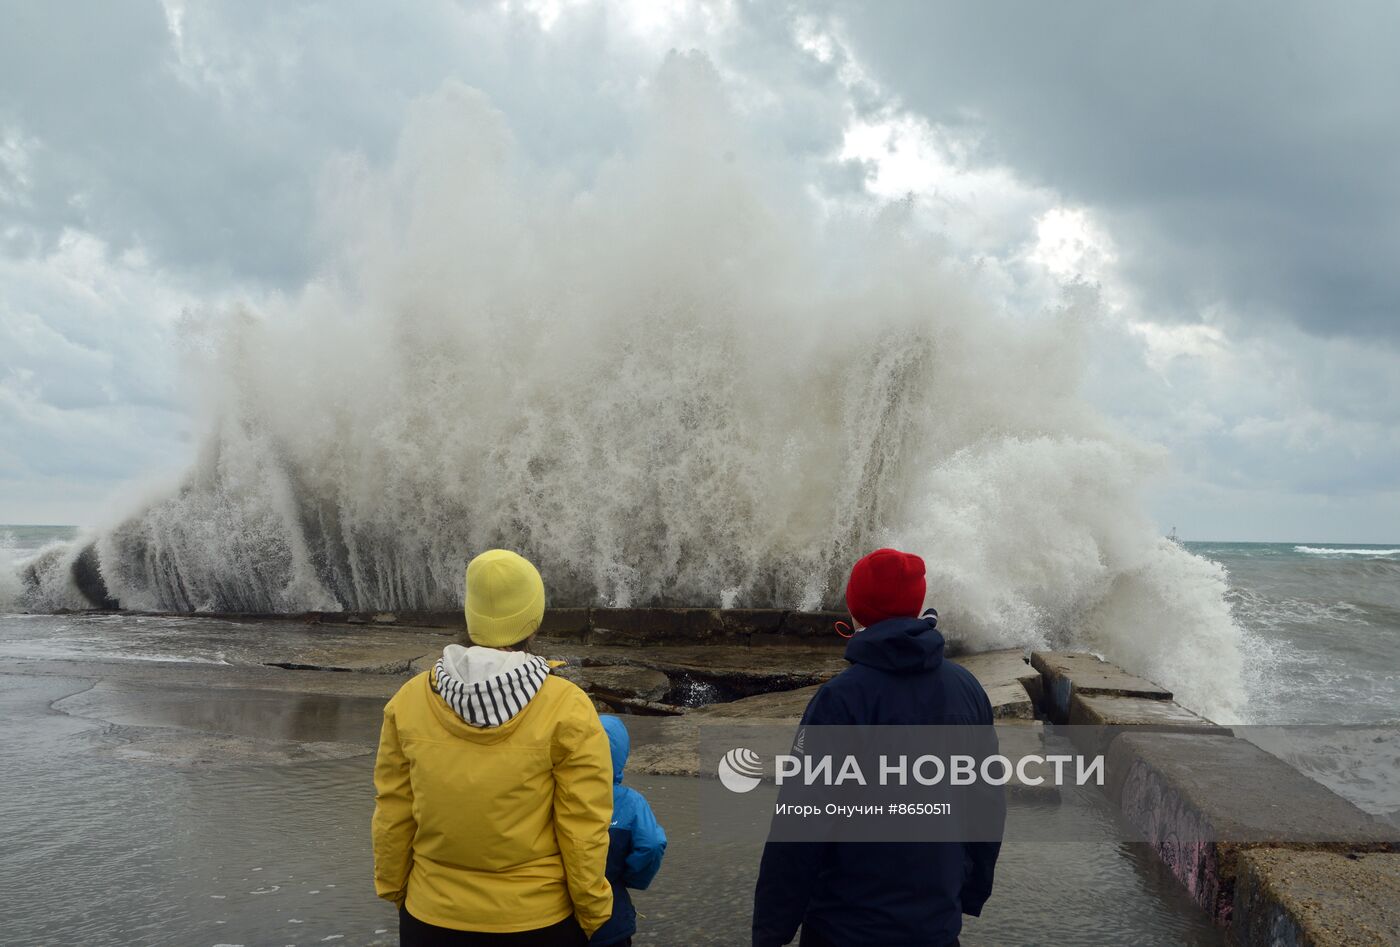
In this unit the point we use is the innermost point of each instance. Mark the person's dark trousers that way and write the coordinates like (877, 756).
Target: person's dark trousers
(625, 942)
(811, 938)
(416, 933)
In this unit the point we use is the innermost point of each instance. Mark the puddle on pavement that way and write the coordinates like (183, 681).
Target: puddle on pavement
(265, 715)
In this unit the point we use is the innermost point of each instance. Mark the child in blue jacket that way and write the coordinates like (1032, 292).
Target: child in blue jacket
(636, 843)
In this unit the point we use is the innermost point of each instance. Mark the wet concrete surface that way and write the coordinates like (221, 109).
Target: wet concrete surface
(182, 725)
(122, 639)
(156, 797)
(1066, 674)
(721, 671)
(1202, 799)
(256, 714)
(103, 849)
(1289, 899)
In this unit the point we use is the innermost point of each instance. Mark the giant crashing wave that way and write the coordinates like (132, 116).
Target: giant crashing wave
(680, 383)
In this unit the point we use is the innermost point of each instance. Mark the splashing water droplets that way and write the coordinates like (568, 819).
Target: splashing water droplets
(678, 384)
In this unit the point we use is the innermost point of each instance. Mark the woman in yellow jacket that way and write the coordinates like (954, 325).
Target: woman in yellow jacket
(494, 785)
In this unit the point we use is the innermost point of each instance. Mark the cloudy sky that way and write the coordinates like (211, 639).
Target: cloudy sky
(1225, 180)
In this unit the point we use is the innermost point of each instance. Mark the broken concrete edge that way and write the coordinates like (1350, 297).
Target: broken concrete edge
(1139, 713)
(1295, 898)
(759, 680)
(635, 705)
(1095, 720)
(644, 624)
(1243, 874)
(1202, 800)
(1002, 673)
(1066, 673)
(622, 682)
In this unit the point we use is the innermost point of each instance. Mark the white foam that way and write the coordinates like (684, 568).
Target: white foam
(51, 565)
(11, 586)
(1270, 612)
(678, 383)
(1327, 551)
(1360, 762)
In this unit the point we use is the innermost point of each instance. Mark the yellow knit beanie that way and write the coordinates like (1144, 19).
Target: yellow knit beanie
(505, 599)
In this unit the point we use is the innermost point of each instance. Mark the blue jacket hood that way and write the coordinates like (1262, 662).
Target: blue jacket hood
(900, 645)
(636, 843)
(618, 741)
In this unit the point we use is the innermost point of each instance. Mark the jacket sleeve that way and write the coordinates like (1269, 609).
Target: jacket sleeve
(648, 846)
(789, 870)
(582, 811)
(393, 825)
(980, 857)
(785, 879)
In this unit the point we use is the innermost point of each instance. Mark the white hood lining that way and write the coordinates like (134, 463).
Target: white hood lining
(485, 686)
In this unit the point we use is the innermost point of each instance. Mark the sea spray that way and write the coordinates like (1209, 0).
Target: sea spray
(44, 579)
(11, 588)
(678, 382)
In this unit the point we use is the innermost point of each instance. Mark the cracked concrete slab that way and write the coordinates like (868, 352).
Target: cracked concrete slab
(1066, 674)
(1003, 668)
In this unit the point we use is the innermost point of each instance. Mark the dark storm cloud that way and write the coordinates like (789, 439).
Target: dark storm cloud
(205, 150)
(159, 159)
(1243, 152)
(126, 149)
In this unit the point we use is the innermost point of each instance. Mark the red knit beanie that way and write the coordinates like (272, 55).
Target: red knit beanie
(885, 584)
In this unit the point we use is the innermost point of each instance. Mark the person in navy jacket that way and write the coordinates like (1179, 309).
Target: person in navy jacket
(844, 894)
(636, 844)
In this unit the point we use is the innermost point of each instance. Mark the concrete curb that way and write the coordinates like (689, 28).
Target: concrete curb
(1299, 899)
(1068, 673)
(591, 625)
(1276, 857)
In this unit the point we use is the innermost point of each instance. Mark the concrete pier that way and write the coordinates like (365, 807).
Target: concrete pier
(1096, 720)
(1014, 687)
(1200, 800)
(1299, 899)
(1275, 857)
(1068, 673)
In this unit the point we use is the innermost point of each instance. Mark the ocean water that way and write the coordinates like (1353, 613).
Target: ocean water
(17, 542)
(1322, 625)
(19, 545)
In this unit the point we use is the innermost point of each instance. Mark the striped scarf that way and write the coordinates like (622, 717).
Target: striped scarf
(491, 702)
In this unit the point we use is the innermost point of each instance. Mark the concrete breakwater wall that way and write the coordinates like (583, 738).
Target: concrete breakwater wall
(593, 625)
(1272, 855)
